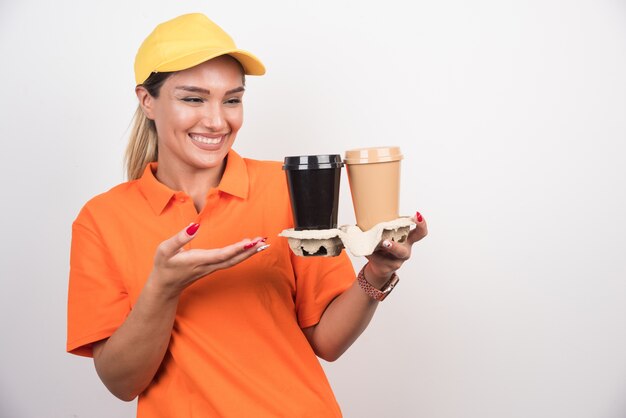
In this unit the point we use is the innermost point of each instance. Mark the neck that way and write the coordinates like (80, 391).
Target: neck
(196, 183)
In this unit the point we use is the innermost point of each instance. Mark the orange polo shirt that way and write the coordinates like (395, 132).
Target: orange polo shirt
(237, 348)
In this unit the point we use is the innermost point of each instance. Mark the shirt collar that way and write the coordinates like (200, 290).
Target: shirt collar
(235, 181)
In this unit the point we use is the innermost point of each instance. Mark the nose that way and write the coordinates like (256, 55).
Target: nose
(214, 118)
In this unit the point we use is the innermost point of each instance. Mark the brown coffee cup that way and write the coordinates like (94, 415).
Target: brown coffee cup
(374, 178)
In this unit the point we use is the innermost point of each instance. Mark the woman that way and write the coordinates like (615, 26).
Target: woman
(209, 322)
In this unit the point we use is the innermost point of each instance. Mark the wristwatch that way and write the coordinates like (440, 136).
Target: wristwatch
(374, 293)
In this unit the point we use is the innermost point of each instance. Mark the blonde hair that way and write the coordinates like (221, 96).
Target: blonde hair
(142, 146)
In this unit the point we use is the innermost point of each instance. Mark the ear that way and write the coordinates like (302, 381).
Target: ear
(146, 101)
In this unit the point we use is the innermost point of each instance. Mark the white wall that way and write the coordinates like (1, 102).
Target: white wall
(512, 119)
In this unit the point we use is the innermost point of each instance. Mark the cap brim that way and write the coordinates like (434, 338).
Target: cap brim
(251, 64)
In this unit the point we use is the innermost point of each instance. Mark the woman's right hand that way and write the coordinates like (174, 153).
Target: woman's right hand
(176, 268)
(128, 360)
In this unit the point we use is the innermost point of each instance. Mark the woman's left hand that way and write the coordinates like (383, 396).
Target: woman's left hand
(348, 314)
(390, 255)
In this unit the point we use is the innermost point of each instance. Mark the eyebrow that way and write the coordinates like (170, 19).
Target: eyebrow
(194, 89)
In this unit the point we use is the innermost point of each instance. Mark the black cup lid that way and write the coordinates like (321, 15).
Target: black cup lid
(311, 162)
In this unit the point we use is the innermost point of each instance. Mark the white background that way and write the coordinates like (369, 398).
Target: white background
(512, 119)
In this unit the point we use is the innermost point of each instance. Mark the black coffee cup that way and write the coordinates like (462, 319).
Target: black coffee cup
(314, 190)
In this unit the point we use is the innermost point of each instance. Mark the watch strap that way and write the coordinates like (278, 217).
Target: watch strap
(374, 293)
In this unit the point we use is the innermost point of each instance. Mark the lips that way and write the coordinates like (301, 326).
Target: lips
(207, 142)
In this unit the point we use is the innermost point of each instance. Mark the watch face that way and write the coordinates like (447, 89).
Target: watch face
(391, 284)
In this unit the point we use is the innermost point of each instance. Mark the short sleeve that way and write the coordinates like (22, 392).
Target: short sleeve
(319, 280)
(98, 301)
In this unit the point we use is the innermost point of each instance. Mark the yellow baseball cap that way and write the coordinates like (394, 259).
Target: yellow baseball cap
(185, 42)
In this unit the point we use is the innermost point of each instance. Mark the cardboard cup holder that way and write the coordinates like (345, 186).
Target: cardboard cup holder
(303, 245)
(330, 242)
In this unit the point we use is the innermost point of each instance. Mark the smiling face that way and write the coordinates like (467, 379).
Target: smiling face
(197, 115)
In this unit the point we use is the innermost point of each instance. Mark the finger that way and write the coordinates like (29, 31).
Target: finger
(223, 258)
(396, 249)
(254, 243)
(239, 258)
(384, 262)
(173, 245)
(221, 255)
(420, 230)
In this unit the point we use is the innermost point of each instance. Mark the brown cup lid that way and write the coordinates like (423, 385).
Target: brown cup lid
(372, 155)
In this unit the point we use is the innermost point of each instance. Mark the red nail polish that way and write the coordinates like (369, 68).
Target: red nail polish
(263, 239)
(193, 228)
(250, 245)
(418, 217)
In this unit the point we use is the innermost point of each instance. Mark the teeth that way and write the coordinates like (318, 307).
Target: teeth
(205, 140)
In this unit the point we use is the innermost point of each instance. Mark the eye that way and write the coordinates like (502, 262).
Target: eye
(233, 101)
(193, 99)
